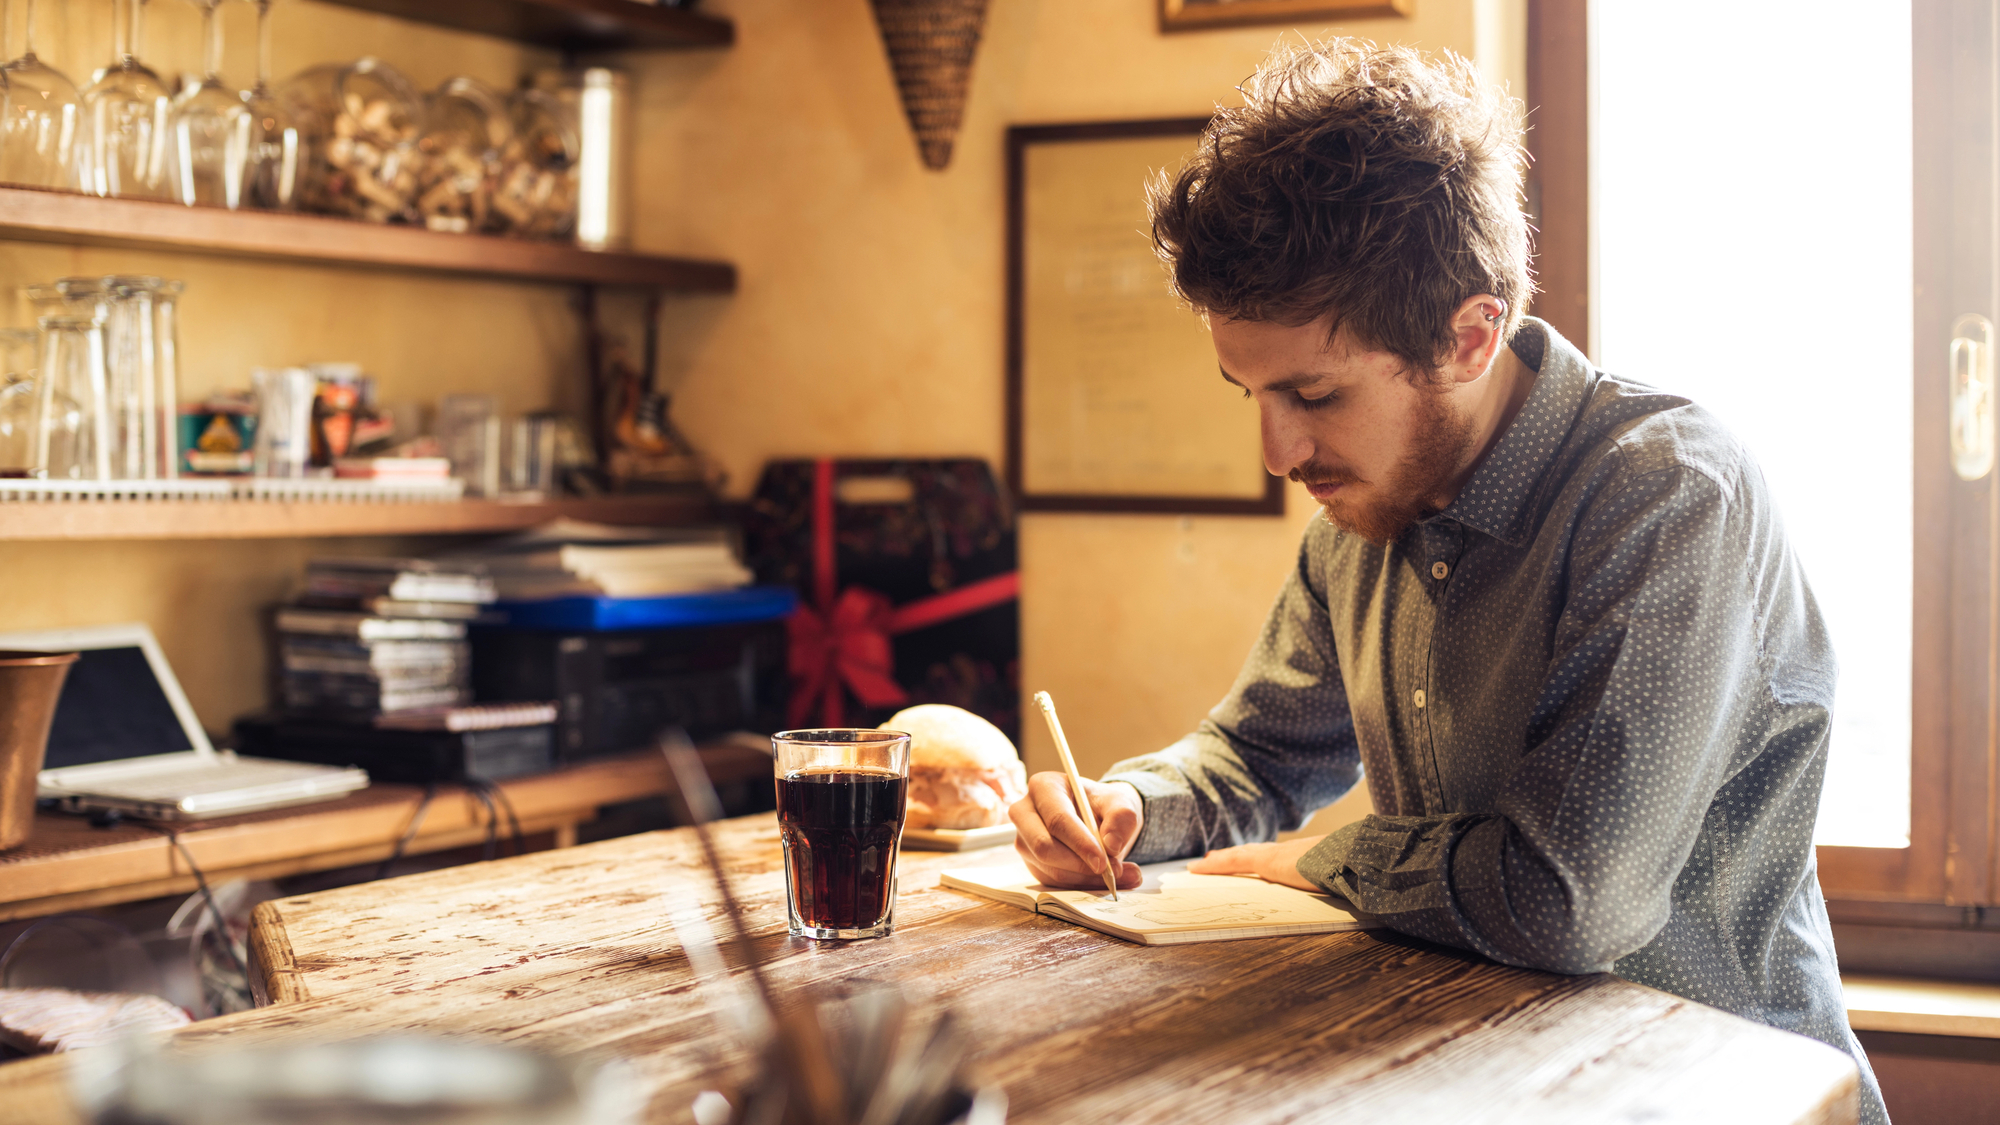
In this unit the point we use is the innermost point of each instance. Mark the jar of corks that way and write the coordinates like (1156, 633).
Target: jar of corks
(361, 123)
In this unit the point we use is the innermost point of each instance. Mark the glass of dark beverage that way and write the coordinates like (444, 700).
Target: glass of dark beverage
(841, 796)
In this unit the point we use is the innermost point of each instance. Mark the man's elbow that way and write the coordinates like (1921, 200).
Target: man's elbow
(1582, 942)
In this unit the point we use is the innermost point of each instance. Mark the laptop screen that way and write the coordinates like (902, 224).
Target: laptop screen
(112, 707)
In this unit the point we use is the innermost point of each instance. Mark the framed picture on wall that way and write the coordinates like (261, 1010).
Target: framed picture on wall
(1114, 400)
(1196, 15)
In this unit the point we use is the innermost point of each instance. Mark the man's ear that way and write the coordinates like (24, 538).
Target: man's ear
(1477, 325)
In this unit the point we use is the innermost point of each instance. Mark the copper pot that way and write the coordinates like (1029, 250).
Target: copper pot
(30, 683)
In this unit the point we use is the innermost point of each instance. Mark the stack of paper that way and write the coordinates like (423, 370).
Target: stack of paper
(572, 558)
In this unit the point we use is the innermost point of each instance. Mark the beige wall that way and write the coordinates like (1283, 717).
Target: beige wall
(868, 322)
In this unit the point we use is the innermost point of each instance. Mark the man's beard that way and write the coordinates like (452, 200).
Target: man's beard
(1437, 447)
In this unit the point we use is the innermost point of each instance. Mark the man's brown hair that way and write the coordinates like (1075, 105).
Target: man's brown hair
(1364, 182)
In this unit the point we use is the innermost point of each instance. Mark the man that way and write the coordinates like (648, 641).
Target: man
(1548, 612)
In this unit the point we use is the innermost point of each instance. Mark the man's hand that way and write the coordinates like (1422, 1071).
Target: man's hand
(1274, 863)
(1057, 845)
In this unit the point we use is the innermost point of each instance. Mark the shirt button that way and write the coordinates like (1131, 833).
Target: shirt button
(1420, 699)
(1439, 570)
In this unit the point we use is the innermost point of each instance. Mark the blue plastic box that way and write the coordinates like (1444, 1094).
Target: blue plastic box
(605, 614)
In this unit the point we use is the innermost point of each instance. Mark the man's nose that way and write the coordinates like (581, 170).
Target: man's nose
(1287, 445)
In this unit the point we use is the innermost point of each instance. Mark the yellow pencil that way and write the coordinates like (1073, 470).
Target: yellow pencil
(1089, 818)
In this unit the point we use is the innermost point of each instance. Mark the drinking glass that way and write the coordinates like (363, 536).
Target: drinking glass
(17, 401)
(131, 382)
(841, 798)
(271, 175)
(130, 110)
(167, 374)
(284, 421)
(42, 128)
(72, 431)
(212, 129)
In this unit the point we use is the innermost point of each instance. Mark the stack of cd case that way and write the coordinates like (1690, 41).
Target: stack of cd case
(379, 636)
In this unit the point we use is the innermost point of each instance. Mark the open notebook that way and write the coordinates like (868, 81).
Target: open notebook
(1171, 907)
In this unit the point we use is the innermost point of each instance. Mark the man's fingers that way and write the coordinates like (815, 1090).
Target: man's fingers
(1031, 839)
(1240, 860)
(1058, 812)
(1050, 859)
(1119, 824)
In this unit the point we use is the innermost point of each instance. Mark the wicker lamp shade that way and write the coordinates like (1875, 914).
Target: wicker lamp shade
(931, 44)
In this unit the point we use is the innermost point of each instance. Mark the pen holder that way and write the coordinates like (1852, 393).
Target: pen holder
(893, 1060)
(30, 684)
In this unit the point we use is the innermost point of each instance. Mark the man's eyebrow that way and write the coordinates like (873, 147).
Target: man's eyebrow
(1291, 384)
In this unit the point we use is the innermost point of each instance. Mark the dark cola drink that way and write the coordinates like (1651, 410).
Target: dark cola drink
(840, 828)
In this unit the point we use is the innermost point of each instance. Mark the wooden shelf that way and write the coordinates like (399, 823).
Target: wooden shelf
(35, 215)
(261, 519)
(567, 25)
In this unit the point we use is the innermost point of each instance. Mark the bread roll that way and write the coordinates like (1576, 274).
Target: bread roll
(963, 771)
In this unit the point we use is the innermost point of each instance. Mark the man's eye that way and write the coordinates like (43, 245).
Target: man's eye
(1320, 403)
(1246, 392)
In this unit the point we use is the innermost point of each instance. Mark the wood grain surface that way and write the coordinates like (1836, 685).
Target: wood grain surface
(66, 864)
(569, 952)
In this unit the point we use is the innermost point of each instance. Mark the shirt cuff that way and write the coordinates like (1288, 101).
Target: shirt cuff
(1324, 865)
(1166, 817)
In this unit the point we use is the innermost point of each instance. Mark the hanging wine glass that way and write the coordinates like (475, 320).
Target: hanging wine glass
(43, 138)
(130, 110)
(271, 177)
(212, 129)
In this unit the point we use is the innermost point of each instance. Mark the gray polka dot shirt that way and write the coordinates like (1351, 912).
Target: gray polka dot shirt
(1590, 699)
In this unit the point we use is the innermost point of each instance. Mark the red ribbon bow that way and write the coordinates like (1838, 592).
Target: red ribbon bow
(845, 645)
(849, 646)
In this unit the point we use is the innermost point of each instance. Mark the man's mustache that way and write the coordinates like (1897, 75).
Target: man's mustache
(1313, 473)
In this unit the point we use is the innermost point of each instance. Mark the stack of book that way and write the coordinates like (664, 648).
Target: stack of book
(570, 558)
(377, 636)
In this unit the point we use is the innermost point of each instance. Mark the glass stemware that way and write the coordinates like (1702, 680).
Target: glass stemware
(130, 110)
(42, 127)
(212, 129)
(271, 178)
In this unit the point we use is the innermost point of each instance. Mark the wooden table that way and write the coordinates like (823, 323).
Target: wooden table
(69, 865)
(569, 951)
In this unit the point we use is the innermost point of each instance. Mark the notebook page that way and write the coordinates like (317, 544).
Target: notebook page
(1183, 901)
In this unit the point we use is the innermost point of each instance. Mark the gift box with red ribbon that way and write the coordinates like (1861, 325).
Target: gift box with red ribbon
(908, 591)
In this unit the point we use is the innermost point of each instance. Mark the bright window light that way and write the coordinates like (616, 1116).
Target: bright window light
(1751, 195)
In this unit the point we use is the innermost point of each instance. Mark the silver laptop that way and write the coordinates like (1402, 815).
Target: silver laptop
(124, 738)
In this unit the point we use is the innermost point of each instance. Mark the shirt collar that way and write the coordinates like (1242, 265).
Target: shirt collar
(1495, 500)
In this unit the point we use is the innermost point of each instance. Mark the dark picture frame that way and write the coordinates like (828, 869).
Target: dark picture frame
(1203, 15)
(1020, 139)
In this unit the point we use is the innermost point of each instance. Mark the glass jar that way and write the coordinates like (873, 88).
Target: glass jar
(537, 182)
(361, 124)
(466, 129)
(72, 432)
(597, 104)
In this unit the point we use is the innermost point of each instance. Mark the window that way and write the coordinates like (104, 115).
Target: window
(1810, 192)
(1752, 236)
